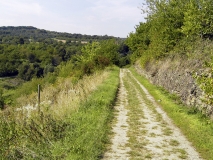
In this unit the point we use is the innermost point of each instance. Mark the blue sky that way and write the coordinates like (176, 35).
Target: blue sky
(93, 17)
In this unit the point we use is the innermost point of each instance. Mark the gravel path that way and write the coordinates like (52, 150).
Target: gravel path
(118, 149)
(155, 136)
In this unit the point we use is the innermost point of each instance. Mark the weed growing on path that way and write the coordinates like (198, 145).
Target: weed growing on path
(197, 128)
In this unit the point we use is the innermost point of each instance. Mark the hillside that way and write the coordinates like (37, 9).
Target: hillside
(45, 61)
(29, 33)
(32, 53)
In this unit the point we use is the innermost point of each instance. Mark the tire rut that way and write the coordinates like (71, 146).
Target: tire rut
(118, 149)
(155, 136)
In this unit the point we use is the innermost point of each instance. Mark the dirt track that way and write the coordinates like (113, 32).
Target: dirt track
(142, 130)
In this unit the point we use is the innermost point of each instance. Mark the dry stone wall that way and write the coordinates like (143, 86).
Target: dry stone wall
(176, 76)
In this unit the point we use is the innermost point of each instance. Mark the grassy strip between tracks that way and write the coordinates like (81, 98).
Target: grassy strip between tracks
(194, 125)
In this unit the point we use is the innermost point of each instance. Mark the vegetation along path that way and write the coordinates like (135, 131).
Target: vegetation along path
(142, 130)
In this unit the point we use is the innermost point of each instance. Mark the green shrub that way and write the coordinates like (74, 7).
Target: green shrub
(88, 67)
(102, 61)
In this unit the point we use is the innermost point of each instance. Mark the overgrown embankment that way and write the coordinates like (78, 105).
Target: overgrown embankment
(180, 74)
(173, 46)
(76, 130)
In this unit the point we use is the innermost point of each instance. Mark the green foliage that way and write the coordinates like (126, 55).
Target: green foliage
(21, 45)
(97, 55)
(30, 60)
(140, 39)
(28, 87)
(102, 61)
(124, 61)
(109, 49)
(27, 71)
(89, 52)
(191, 19)
(48, 69)
(21, 41)
(8, 137)
(198, 18)
(147, 57)
(167, 24)
(205, 80)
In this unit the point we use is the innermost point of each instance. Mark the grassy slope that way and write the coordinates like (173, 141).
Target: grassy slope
(75, 134)
(196, 127)
(86, 139)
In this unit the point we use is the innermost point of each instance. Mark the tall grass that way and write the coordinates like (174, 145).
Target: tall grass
(64, 96)
(91, 121)
(73, 127)
(194, 125)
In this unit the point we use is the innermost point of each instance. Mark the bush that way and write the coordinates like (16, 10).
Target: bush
(123, 61)
(102, 61)
(88, 67)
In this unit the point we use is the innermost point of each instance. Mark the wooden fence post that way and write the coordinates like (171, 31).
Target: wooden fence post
(39, 110)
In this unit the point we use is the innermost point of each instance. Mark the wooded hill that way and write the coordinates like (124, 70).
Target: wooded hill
(30, 52)
(7, 34)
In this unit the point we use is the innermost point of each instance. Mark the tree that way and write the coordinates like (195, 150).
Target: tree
(89, 52)
(123, 49)
(56, 60)
(27, 71)
(109, 49)
(62, 53)
(198, 20)
(31, 57)
(162, 30)
(48, 68)
(140, 39)
(21, 41)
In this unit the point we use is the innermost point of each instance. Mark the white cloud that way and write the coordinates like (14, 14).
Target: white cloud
(20, 7)
(120, 10)
(114, 17)
(111, 17)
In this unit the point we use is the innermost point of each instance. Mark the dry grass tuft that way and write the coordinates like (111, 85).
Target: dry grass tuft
(64, 96)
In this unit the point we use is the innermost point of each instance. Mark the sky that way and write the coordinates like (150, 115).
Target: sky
(92, 17)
